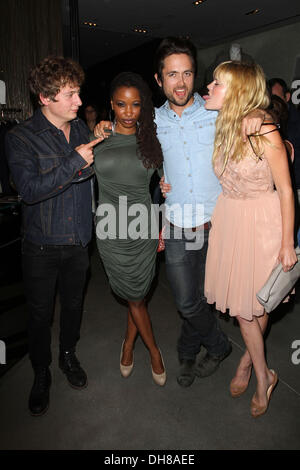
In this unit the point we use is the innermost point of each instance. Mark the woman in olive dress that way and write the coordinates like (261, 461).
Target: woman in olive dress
(124, 164)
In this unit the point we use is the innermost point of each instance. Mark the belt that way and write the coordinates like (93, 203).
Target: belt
(205, 226)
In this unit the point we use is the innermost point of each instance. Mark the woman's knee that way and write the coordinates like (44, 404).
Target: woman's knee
(136, 304)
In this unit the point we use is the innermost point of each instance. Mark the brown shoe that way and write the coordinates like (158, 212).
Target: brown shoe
(256, 409)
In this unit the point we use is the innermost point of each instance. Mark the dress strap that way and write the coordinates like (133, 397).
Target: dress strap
(259, 157)
(268, 124)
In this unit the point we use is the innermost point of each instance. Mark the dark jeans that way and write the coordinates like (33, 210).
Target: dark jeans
(186, 270)
(44, 267)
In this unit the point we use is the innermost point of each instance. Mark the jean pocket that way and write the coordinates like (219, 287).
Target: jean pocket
(175, 252)
(31, 249)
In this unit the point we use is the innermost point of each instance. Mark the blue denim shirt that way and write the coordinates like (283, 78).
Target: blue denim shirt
(55, 192)
(187, 144)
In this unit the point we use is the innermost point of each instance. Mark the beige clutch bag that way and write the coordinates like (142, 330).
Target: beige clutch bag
(278, 285)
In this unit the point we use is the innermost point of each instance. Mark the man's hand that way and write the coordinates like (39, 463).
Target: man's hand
(86, 151)
(164, 187)
(101, 127)
(251, 123)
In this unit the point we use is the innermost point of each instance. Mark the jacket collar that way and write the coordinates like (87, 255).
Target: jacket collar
(42, 124)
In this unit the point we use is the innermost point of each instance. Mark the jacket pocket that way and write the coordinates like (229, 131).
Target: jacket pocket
(47, 163)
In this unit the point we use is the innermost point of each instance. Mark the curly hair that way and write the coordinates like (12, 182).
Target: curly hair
(52, 74)
(246, 91)
(149, 149)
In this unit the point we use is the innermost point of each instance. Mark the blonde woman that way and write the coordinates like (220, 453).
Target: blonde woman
(252, 224)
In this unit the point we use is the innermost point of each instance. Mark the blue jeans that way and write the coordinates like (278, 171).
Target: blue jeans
(185, 271)
(44, 268)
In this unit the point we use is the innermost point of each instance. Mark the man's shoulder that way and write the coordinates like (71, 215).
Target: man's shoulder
(161, 109)
(26, 127)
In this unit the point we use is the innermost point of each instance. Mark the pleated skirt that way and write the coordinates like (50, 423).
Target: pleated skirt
(244, 244)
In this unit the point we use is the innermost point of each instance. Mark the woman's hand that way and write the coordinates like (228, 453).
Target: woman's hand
(251, 123)
(101, 127)
(164, 187)
(287, 257)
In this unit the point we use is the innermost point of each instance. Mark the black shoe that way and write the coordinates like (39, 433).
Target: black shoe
(39, 395)
(70, 366)
(210, 364)
(186, 375)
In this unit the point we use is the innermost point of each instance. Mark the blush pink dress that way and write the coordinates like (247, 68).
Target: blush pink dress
(245, 237)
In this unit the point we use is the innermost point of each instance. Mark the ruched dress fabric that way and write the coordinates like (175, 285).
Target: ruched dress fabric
(245, 237)
(123, 182)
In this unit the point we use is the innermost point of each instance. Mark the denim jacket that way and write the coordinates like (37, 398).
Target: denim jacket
(55, 192)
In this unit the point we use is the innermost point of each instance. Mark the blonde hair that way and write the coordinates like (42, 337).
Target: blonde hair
(246, 91)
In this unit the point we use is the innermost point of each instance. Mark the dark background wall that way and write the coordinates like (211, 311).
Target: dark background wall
(29, 31)
(99, 77)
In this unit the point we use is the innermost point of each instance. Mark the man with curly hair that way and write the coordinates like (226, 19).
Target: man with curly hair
(50, 159)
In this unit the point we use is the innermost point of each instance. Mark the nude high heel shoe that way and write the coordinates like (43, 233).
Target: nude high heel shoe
(256, 409)
(160, 379)
(125, 370)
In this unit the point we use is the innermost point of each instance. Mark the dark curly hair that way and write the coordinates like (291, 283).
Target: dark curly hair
(148, 144)
(52, 74)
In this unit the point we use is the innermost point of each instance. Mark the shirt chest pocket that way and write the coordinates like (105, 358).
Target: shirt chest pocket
(47, 163)
(168, 137)
(205, 132)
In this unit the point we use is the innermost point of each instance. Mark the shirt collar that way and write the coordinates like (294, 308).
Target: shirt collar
(198, 100)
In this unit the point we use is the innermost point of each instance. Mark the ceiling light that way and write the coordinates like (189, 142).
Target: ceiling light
(90, 24)
(198, 2)
(253, 12)
(140, 30)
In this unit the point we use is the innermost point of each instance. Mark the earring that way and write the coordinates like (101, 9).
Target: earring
(111, 115)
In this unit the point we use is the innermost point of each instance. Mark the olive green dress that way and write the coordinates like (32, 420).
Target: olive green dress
(123, 228)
